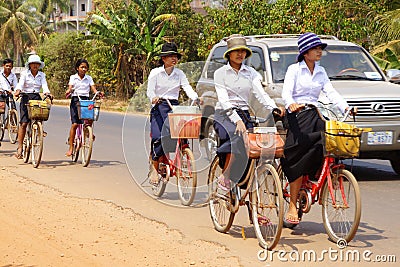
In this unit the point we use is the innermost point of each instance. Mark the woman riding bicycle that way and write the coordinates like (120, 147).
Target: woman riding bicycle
(80, 84)
(233, 83)
(30, 83)
(303, 84)
(164, 83)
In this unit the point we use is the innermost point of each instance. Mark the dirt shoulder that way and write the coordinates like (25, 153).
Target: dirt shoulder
(40, 226)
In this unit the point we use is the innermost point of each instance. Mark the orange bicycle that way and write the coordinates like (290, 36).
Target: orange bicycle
(336, 190)
(184, 124)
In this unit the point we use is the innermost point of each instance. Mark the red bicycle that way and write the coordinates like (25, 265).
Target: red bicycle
(336, 190)
(184, 124)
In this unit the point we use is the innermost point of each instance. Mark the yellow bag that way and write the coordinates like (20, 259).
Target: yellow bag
(38, 110)
(342, 139)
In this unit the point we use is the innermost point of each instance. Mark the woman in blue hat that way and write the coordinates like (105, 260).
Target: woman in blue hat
(164, 83)
(303, 84)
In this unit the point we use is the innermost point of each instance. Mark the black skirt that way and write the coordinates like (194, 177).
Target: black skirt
(303, 147)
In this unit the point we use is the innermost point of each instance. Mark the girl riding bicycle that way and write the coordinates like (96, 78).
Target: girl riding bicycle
(30, 83)
(80, 84)
(164, 83)
(303, 84)
(233, 83)
(8, 79)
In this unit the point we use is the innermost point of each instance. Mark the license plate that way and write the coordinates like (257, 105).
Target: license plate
(380, 138)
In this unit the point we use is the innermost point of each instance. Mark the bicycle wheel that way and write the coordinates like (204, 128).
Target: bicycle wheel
(220, 202)
(13, 126)
(77, 144)
(37, 143)
(87, 144)
(26, 146)
(267, 206)
(341, 219)
(2, 126)
(159, 189)
(186, 177)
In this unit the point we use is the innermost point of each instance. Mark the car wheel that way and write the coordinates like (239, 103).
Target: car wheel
(395, 162)
(211, 139)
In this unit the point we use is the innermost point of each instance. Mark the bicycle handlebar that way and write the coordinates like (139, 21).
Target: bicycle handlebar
(160, 100)
(256, 120)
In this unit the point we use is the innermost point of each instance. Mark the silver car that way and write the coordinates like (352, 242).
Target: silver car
(353, 72)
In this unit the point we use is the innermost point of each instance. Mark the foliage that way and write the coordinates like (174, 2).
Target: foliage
(16, 32)
(60, 53)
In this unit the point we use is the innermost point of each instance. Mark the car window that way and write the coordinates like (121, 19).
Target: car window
(216, 61)
(257, 60)
(280, 59)
(345, 62)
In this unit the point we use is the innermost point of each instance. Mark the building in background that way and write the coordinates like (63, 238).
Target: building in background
(72, 19)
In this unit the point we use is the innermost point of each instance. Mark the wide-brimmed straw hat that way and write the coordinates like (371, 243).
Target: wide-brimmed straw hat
(236, 42)
(34, 59)
(307, 41)
(170, 49)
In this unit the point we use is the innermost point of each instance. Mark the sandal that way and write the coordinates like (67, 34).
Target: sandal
(224, 184)
(68, 154)
(290, 221)
(19, 155)
(263, 221)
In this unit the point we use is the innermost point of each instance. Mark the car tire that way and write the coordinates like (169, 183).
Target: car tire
(210, 138)
(395, 162)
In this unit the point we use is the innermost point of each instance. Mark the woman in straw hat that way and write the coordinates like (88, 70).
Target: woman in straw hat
(233, 83)
(164, 83)
(30, 83)
(303, 84)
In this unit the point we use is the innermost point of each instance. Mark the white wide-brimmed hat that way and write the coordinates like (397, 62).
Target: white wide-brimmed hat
(237, 42)
(34, 59)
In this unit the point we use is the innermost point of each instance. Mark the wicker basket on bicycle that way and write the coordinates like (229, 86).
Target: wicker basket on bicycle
(38, 110)
(185, 122)
(342, 140)
(88, 110)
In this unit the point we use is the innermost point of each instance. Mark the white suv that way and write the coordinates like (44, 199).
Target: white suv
(353, 72)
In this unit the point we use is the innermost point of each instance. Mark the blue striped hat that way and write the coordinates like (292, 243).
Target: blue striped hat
(307, 41)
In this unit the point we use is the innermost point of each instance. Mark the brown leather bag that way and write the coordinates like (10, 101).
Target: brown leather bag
(267, 142)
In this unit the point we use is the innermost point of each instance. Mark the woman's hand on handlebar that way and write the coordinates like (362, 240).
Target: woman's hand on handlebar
(280, 111)
(294, 107)
(155, 100)
(240, 128)
(353, 110)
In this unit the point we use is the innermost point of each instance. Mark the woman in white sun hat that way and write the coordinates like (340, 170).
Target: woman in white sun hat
(30, 83)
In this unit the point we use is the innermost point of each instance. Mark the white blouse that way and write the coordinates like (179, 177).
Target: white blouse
(6, 82)
(233, 89)
(160, 84)
(80, 86)
(302, 87)
(29, 84)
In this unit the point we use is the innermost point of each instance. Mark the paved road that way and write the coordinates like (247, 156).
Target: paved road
(117, 173)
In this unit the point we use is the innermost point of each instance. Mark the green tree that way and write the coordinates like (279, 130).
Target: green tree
(134, 35)
(60, 52)
(16, 32)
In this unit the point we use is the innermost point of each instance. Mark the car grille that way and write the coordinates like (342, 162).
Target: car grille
(377, 107)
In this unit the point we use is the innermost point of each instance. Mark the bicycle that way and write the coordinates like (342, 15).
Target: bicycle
(336, 190)
(261, 184)
(184, 124)
(38, 111)
(88, 111)
(9, 119)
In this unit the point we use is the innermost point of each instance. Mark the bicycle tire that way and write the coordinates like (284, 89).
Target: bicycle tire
(26, 146)
(87, 145)
(159, 189)
(267, 206)
(338, 225)
(77, 144)
(186, 177)
(2, 126)
(13, 126)
(220, 202)
(37, 143)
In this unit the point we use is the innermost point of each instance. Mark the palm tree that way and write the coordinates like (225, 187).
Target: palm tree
(134, 35)
(16, 30)
(47, 8)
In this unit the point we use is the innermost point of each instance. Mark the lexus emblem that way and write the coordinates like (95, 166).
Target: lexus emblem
(377, 107)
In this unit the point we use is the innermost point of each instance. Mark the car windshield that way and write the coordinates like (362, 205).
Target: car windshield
(340, 63)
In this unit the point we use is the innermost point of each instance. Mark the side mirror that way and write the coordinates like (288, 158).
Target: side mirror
(393, 75)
